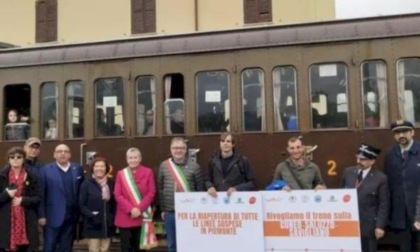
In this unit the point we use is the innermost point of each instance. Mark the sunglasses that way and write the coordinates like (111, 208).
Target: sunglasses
(15, 156)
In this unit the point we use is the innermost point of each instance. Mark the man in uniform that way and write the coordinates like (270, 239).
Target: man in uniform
(402, 166)
(297, 171)
(372, 195)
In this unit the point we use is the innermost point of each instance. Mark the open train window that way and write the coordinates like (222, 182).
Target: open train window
(253, 103)
(284, 96)
(146, 105)
(408, 81)
(109, 112)
(49, 109)
(174, 104)
(374, 91)
(328, 83)
(75, 99)
(17, 102)
(212, 101)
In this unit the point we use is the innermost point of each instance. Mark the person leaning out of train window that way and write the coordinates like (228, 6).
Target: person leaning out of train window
(97, 205)
(19, 198)
(372, 195)
(51, 131)
(15, 128)
(297, 171)
(134, 193)
(228, 170)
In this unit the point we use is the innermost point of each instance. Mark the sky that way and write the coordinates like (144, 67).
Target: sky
(365, 8)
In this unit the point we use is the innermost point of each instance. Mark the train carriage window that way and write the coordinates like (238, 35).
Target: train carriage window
(253, 104)
(49, 106)
(328, 83)
(408, 80)
(109, 112)
(284, 96)
(174, 104)
(212, 101)
(75, 100)
(146, 100)
(17, 101)
(374, 91)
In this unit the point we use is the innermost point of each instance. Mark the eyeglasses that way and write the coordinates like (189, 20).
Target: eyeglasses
(62, 151)
(178, 148)
(15, 156)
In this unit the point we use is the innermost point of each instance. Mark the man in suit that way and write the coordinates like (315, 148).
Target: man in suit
(372, 193)
(402, 168)
(60, 182)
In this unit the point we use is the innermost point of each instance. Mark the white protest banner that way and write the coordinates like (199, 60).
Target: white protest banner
(308, 220)
(224, 223)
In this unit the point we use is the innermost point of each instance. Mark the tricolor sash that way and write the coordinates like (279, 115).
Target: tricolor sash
(178, 176)
(148, 238)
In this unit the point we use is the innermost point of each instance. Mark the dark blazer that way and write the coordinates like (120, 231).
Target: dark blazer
(100, 225)
(53, 205)
(373, 199)
(404, 181)
(30, 199)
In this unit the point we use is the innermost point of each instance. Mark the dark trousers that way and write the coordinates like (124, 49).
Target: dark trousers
(407, 240)
(24, 248)
(170, 229)
(130, 239)
(60, 238)
(369, 244)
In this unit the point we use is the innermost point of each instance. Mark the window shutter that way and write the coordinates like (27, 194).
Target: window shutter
(143, 16)
(257, 11)
(250, 10)
(46, 21)
(264, 10)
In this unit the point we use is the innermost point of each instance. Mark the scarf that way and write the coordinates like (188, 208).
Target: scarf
(104, 187)
(18, 227)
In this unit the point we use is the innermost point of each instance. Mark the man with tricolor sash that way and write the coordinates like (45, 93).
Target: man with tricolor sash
(176, 174)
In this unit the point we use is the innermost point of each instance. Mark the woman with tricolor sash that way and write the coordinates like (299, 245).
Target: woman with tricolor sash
(134, 192)
(176, 174)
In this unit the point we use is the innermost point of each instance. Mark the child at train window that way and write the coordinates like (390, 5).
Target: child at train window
(51, 132)
(14, 128)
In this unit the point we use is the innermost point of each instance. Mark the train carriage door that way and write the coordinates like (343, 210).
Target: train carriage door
(17, 104)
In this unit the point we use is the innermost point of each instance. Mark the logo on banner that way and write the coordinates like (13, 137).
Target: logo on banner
(346, 198)
(318, 198)
(239, 201)
(305, 199)
(187, 200)
(273, 199)
(226, 200)
(252, 200)
(204, 200)
(292, 199)
(332, 199)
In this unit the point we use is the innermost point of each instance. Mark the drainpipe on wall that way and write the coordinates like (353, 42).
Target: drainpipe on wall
(196, 15)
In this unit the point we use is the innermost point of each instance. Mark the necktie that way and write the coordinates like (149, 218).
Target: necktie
(360, 176)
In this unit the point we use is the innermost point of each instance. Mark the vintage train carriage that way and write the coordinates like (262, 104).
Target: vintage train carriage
(336, 83)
